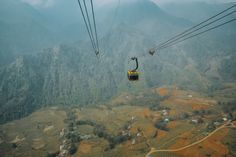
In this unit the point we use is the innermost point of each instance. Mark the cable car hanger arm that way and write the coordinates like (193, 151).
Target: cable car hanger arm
(136, 60)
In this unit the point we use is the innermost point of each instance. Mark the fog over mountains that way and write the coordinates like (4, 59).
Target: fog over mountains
(46, 58)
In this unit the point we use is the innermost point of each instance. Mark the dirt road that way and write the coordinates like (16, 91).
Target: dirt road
(153, 150)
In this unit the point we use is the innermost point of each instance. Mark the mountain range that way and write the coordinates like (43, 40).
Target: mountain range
(44, 63)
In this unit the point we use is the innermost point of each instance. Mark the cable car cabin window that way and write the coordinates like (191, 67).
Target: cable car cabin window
(133, 75)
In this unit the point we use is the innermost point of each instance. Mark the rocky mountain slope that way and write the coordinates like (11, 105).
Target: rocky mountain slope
(70, 74)
(179, 9)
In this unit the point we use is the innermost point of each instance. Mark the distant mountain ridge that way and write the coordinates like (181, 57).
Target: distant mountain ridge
(197, 11)
(70, 74)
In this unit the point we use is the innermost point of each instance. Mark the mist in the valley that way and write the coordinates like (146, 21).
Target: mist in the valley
(140, 78)
(46, 57)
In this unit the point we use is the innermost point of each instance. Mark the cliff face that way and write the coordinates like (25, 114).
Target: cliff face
(54, 77)
(70, 74)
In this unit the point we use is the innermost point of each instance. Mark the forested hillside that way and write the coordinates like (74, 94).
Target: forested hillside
(39, 67)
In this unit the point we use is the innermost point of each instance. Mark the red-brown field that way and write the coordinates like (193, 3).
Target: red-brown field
(43, 129)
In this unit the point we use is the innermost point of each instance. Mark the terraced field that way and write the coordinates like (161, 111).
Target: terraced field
(130, 116)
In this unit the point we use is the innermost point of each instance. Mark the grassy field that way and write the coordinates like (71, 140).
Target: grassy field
(32, 135)
(39, 133)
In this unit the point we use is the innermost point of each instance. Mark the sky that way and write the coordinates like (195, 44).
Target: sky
(48, 3)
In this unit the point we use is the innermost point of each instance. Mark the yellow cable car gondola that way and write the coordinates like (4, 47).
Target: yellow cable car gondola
(133, 75)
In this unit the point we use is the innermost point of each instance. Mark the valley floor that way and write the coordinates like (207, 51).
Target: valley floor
(131, 125)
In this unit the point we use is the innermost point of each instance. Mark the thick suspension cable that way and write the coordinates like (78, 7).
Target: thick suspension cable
(95, 27)
(191, 32)
(180, 34)
(86, 24)
(89, 23)
(217, 26)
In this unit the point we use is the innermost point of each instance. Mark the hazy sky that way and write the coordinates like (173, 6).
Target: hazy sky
(48, 3)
